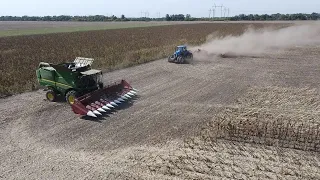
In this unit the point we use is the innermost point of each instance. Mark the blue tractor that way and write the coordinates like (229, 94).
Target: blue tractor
(181, 55)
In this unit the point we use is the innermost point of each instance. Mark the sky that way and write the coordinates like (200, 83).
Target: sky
(133, 8)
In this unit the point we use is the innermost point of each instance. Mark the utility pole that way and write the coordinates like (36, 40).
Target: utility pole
(158, 15)
(215, 6)
(209, 13)
(213, 13)
(146, 14)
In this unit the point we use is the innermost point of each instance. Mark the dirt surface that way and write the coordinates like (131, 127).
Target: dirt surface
(45, 140)
(21, 25)
(42, 140)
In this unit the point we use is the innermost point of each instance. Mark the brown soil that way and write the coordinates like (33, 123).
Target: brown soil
(167, 132)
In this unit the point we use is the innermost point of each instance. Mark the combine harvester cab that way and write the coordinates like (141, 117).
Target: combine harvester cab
(82, 87)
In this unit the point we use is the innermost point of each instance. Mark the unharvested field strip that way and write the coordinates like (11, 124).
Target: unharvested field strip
(112, 49)
(282, 117)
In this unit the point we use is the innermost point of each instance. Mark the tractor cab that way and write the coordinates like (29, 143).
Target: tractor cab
(180, 49)
(181, 55)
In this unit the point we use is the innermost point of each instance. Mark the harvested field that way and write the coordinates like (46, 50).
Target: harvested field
(204, 120)
(111, 49)
(18, 28)
(29, 25)
(6, 27)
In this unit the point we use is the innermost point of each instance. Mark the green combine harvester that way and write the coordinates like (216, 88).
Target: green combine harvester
(82, 87)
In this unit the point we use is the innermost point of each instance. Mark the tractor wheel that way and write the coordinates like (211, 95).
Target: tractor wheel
(180, 59)
(71, 96)
(51, 95)
(171, 58)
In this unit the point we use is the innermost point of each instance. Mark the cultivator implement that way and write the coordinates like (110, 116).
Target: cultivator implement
(100, 101)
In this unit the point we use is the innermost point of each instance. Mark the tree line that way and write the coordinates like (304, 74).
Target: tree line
(62, 18)
(275, 17)
(173, 17)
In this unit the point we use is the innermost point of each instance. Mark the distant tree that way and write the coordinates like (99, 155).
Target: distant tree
(314, 16)
(250, 17)
(177, 17)
(174, 17)
(256, 17)
(188, 17)
(243, 17)
(264, 17)
(168, 17)
(283, 17)
(113, 18)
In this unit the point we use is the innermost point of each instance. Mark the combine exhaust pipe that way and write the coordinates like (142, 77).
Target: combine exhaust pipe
(100, 101)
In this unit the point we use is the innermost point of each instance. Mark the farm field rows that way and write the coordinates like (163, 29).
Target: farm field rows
(12, 28)
(192, 121)
(111, 49)
(18, 28)
(33, 25)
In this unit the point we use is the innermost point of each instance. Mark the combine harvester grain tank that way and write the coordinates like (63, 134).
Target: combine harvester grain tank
(82, 87)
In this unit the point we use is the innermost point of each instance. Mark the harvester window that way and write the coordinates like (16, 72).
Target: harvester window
(86, 81)
(90, 80)
(71, 65)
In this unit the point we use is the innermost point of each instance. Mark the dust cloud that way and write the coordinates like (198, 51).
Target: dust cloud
(255, 42)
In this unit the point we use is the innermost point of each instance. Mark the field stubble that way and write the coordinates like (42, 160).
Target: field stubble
(269, 132)
(234, 145)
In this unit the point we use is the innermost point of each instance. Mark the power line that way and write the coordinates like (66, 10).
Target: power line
(145, 13)
(215, 6)
(211, 11)
(225, 11)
